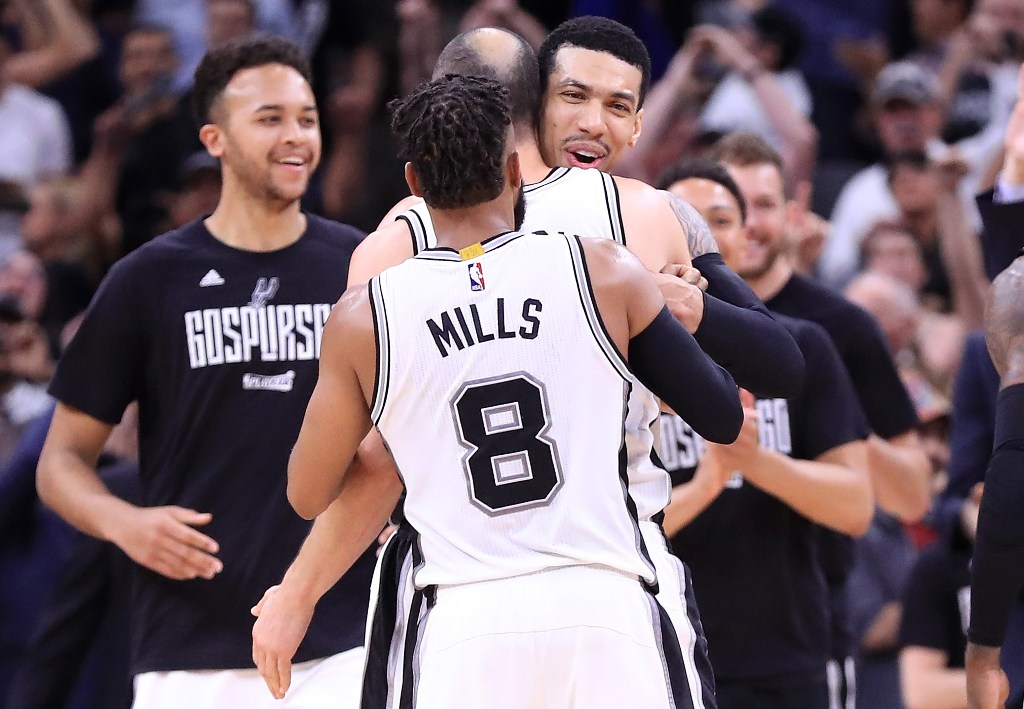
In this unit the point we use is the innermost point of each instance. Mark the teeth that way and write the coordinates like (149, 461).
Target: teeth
(587, 154)
(293, 161)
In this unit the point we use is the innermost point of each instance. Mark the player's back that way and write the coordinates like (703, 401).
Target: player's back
(585, 202)
(504, 405)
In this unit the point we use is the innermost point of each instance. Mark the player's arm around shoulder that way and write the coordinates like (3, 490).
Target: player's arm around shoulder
(659, 350)
(653, 231)
(338, 415)
(388, 246)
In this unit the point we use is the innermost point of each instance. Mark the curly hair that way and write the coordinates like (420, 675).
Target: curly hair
(598, 34)
(453, 130)
(220, 65)
(699, 169)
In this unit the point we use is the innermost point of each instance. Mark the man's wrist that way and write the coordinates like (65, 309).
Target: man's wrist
(981, 656)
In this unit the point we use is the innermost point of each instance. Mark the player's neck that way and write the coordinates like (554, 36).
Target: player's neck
(459, 228)
(245, 222)
(768, 284)
(530, 161)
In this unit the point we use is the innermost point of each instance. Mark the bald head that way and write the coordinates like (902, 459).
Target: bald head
(892, 302)
(499, 55)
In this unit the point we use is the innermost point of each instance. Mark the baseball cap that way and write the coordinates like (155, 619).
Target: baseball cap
(905, 81)
(196, 164)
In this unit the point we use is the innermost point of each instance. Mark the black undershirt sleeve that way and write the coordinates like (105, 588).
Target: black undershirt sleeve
(739, 333)
(668, 361)
(997, 569)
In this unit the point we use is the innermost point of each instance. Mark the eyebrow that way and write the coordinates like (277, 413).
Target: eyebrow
(576, 83)
(279, 107)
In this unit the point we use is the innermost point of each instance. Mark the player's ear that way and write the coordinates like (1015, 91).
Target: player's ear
(412, 180)
(637, 128)
(212, 137)
(513, 171)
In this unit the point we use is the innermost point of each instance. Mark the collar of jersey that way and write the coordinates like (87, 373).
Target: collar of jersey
(446, 253)
(554, 175)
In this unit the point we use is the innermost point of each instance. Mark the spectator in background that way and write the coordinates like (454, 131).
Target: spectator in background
(906, 109)
(189, 22)
(759, 92)
(937, 602)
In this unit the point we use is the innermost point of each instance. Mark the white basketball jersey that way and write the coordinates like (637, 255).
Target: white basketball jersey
(505, 405)
(584, 202)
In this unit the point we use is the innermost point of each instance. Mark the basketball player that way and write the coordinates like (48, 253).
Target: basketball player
(530, 399)
(997, 569)
(215, 329)
(799, 466)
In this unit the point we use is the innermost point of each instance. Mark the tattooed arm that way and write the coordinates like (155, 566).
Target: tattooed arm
(737, 330)
(997, 571)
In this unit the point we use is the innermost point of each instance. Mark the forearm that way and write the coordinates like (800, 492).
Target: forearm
(739, 333)
(688, 500)
(900, 478)
(939, 688)
(705, 396)
(341, 534)
(799, 136)
(70, 485)
(961, 255)
(883, 634)
(834, 496)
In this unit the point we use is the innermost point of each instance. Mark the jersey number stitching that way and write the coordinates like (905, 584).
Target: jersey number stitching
(510, 464)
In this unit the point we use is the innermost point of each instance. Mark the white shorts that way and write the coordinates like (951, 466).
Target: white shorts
(578, 636)
(330, 683)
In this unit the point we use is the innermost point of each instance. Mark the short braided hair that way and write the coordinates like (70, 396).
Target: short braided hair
(453, 130)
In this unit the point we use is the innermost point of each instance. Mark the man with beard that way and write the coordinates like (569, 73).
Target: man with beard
(215, 328)
(511, 434)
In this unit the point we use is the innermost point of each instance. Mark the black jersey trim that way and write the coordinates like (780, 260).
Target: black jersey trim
(404, 217)
(676, 681)
(553, 176)
(698, 654)
(614, 206)
(634, 515)
(382, 379)
(445, 253)
(589, 303)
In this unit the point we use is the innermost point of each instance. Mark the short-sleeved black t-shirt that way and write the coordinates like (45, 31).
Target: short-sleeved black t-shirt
(937, 601)
(221, 348)
(756, 566)
(862, 346)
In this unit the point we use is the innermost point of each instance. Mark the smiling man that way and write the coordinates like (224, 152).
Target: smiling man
(215, 328)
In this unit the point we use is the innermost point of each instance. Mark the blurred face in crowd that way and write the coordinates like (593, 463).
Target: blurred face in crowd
(720, 210)
(40, 223)
(266, 132)
(590, 113)
(23, 277)
(895, 252)
(892, 305)
(934, 20)
(197, 198)
(146, 55)
(763, 192)
(227, 20)
(1003, 21)
(903, 126)
(914, 188)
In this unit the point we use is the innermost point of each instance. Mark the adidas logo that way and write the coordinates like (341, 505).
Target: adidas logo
(212, 278)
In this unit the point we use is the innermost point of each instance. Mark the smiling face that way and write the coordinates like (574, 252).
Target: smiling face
(591, 109)
(720, 210)
(762, 190)
(266, 132)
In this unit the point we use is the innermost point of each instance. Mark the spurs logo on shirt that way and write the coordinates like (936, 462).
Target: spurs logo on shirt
(286, 332)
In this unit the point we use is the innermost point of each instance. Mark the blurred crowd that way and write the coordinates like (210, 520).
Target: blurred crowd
(890, 116)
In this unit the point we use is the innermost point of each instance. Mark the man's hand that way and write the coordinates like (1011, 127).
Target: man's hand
(163, 540)
(742, 454)
(987, 685)
(683, 290)
(281, 623)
